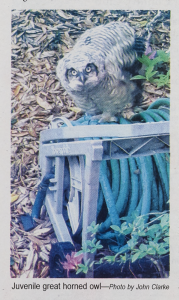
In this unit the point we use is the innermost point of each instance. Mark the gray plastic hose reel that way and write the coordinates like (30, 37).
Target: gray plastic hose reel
(84, 147)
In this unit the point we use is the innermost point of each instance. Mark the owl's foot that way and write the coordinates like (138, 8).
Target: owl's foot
(104, 118)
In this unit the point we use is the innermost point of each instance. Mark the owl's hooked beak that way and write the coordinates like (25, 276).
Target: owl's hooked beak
(81, 77)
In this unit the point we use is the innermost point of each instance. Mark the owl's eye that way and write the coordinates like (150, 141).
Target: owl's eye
(73, 72)
(88, 69)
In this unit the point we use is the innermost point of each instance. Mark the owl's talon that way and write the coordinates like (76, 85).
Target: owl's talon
(108, 120)
(97, 117)
(89, 121)
(104, 118)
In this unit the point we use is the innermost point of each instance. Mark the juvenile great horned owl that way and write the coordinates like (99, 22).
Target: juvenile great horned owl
(97, 72)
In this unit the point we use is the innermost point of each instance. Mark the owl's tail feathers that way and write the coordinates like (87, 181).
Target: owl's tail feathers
(139, 45)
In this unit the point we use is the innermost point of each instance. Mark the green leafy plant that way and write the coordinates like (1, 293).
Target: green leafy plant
(157, 70)
(93, 228)
(147, 239)
(83, 267)
(150, 240)
(88, 247)
(143, 239)
(91, 246)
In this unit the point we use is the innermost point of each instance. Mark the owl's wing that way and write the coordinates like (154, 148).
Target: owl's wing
(123, 58)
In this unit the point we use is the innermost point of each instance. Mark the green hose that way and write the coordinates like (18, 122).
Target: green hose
(146, 180)
(135, 186)
(160, 102)
(115, 177)
(154, 115)
(164, 115)
(143, 116)
(162, 173)
(124, 186)
(110, 202)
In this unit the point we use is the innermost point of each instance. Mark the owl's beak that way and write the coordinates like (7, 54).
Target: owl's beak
(81, 77)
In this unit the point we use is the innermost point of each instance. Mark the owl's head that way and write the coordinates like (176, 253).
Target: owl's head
(80, 72)
(82, 78)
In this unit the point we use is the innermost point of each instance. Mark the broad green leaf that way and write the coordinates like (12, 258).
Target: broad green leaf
(99, 247)
(165, 229)
(145, 60)
(87, 243)
(162, 251)
(127, 231)
(79, 252)
(156, 60)
(85, 269)
(81, 265)
(143, 247)
(149, 69)
(116, 228)
(94, 241)
(79, 271)
(98, 243)
(100, 261)
(165, 57)
(142, 254)
(164, 220)
(167, 240)
(132, 243)
(138, 77)
(158, 233)
(139, 224)
(93, 250)
(124, 226)
(150, 75)
(153, 244)
(110, 258)
(151, 251)
(156, 239)
(142, 233)
(152, 230)
(135, 256)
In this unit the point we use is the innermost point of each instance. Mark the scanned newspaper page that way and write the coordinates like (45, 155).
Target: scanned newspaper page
(69, 64)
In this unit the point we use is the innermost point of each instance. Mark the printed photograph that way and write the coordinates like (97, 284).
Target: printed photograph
(90, 153)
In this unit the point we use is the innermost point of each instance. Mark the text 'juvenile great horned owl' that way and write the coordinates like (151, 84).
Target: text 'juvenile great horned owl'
(97, 72)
